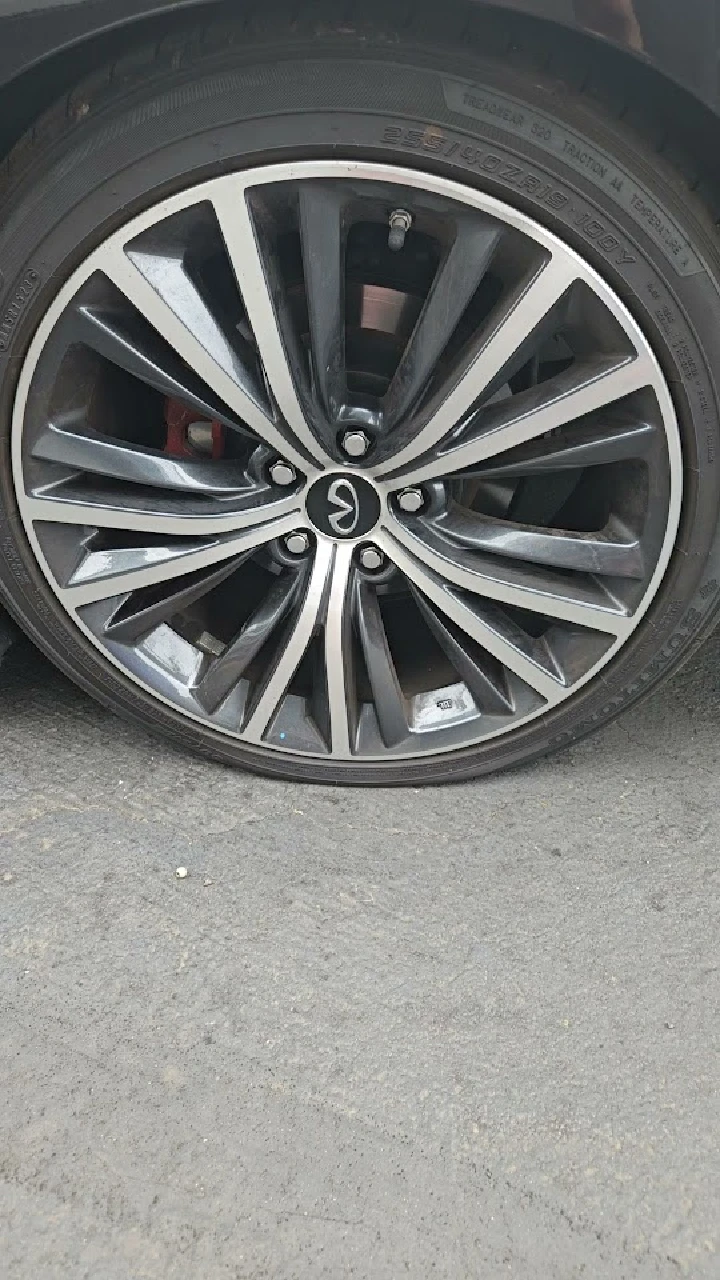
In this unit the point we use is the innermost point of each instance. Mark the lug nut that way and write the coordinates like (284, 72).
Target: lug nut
(297, 543)
(371, 558)
(355, 444)
(411, 500)
(282, 473)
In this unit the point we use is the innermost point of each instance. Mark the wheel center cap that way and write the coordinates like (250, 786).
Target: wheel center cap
(343, 505)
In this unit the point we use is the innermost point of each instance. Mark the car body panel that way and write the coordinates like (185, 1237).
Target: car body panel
(680, 40)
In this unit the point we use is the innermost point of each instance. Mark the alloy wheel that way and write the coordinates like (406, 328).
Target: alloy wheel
(347, 460)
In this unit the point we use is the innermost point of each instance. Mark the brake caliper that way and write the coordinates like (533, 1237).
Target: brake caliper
(189, 436)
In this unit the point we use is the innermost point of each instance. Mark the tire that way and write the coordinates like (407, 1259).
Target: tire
(474, 108)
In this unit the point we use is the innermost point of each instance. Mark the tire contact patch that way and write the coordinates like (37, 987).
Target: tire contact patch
(471, 100)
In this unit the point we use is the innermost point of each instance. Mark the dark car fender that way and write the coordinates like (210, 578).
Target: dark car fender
(679, 40)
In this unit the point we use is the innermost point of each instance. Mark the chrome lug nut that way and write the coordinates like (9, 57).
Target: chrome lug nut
(411, 500)
(297, 543)
(282, 473)
(355, 444)
(371, 558)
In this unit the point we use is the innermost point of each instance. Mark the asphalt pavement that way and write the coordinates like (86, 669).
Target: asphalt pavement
(467, 1032)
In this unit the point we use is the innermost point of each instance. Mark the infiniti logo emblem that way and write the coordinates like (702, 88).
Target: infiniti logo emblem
(343, 496)
(343, 506)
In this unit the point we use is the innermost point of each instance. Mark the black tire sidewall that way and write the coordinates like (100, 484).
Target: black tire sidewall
(338, 102)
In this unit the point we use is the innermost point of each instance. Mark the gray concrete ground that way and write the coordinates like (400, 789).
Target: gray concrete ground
(460, 1033)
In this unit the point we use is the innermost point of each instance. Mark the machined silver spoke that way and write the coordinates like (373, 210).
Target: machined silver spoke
(236, 224)
(268, 696)
(507, 643)
(581, 603)
(515, 319)
(103, 574)
(159, 286)
(67, 504)
(534, 413)
(339, 665)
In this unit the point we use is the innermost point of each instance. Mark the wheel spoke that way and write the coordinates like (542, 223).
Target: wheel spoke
(258, 294)
(509, 327)
(339, 662)
(145, 356)
(388, 699)
(532, 413)
(162, 291)
(457, 279)
(224, 672)
(582, 603)
(321, 208)
(103, 574)
(143, 611)
(118, 460)
(469, 660)
(576, 448)
(267, 697)
(611, 553)
(484, 623)
(69, 503)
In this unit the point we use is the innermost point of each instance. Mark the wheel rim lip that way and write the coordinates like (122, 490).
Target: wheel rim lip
(389, 174)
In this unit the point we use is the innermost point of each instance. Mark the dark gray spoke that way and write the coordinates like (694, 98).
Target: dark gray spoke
(160, 288)
(457, 279)
(580, 600)
(102, 574)
(612, 553)
(587, 445)
(509, 326)
(144, 610)
(149, 359)
(103, 456)
(390, 704)
(484, 622)
(225, 671)
(469, 660)
(321, 207)
(562, 400)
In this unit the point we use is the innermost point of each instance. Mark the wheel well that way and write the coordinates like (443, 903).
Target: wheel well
(658, 102)
(24, 98)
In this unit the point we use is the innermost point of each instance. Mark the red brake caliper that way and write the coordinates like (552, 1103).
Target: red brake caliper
(178, 420)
